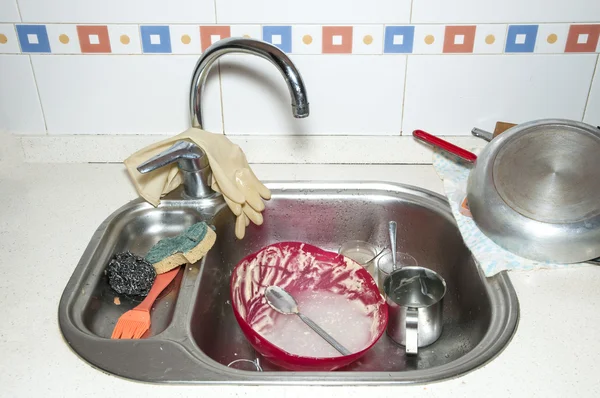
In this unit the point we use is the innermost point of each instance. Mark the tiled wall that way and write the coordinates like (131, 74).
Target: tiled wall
(371, 67)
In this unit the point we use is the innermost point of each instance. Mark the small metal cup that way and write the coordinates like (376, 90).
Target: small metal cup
(385, 266)
(415, 300)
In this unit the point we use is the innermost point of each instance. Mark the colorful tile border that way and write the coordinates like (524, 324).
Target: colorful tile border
(303, 39)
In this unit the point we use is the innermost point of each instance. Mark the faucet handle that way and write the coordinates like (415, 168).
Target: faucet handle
(188, 156)
(193, 163)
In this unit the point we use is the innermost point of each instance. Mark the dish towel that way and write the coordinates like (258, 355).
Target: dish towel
(491, 258)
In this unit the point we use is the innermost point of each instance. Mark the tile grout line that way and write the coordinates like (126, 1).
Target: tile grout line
(221, 97)
(404, 95)
(19, 11)
(410, 18)
(18, 41)
(171, 54)
(587, 100)
(37, 90)
(307, 24)
(220, 78)
(216, 14)
(139, 32)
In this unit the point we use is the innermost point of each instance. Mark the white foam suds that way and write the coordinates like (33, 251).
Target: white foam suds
(348, 321)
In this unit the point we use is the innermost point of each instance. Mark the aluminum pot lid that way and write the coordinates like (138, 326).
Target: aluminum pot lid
(550, 171)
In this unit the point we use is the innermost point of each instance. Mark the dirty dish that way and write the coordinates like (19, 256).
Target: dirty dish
(415, 300)
(535, 189)
(283, 302)
(385, 266)
(362, 252)
(314, 277)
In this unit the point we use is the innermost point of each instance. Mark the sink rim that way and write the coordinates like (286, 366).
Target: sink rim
(496, 339)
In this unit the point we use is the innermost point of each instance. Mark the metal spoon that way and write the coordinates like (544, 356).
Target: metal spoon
(283, 302)
(392, 226)
(424, 290)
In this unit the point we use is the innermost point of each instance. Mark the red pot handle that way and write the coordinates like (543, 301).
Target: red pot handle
(445, 145)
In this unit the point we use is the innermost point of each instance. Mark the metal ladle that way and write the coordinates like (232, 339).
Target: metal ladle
(281, 301)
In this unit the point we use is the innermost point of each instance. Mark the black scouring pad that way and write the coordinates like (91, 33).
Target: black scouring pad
(130, 274)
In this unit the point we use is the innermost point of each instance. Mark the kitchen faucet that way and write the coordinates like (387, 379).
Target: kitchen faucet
(247, 46)
(191, 159)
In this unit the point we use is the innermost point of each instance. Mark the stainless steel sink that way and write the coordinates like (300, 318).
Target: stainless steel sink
(194, 334)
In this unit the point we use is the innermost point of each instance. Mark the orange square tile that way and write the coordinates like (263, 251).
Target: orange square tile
(93, 39)
(207, 33)
(459, 39)
(582, 39)
(337, 39)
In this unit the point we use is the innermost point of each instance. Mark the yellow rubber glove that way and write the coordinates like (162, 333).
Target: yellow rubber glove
(231, 175)
(244, 213)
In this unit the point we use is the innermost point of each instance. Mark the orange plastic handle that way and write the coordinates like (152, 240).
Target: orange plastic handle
(160, 283)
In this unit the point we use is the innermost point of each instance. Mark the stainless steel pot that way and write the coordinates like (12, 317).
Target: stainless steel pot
(535, 189)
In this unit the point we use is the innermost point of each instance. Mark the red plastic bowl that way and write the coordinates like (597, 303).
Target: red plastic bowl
(298, 267)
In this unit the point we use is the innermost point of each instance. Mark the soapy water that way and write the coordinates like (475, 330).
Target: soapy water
(345, 320)
(362, 257)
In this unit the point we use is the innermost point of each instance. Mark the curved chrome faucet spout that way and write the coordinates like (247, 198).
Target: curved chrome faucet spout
(247, 46)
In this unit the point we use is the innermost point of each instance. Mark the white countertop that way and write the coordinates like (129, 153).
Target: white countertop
(49, 212)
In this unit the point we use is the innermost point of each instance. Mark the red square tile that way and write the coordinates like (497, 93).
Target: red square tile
(459, 39)
(93, 39)
(208, 32)
(337, 39)
(582, 39)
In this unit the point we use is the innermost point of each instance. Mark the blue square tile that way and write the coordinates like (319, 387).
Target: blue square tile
(280, 36)
(521, 38)
(156, 39)
(33, 38)
(399, 39)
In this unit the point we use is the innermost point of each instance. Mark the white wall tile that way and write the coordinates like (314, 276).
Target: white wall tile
(307, 39)
(118, 11)
(20, 110)
(124, 39)
(9, 43)
(551, 38)
(347, 95)
(185, 39)
(592, 112)
(9, 11)
(367, 39)
(252, 31)
(451, 94)
(119, 94)
(477, 11)
(423, 36)
(63, 39)
(313, 11)
(490, 39)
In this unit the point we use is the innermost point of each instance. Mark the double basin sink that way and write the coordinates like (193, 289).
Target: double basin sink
(194, 335)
